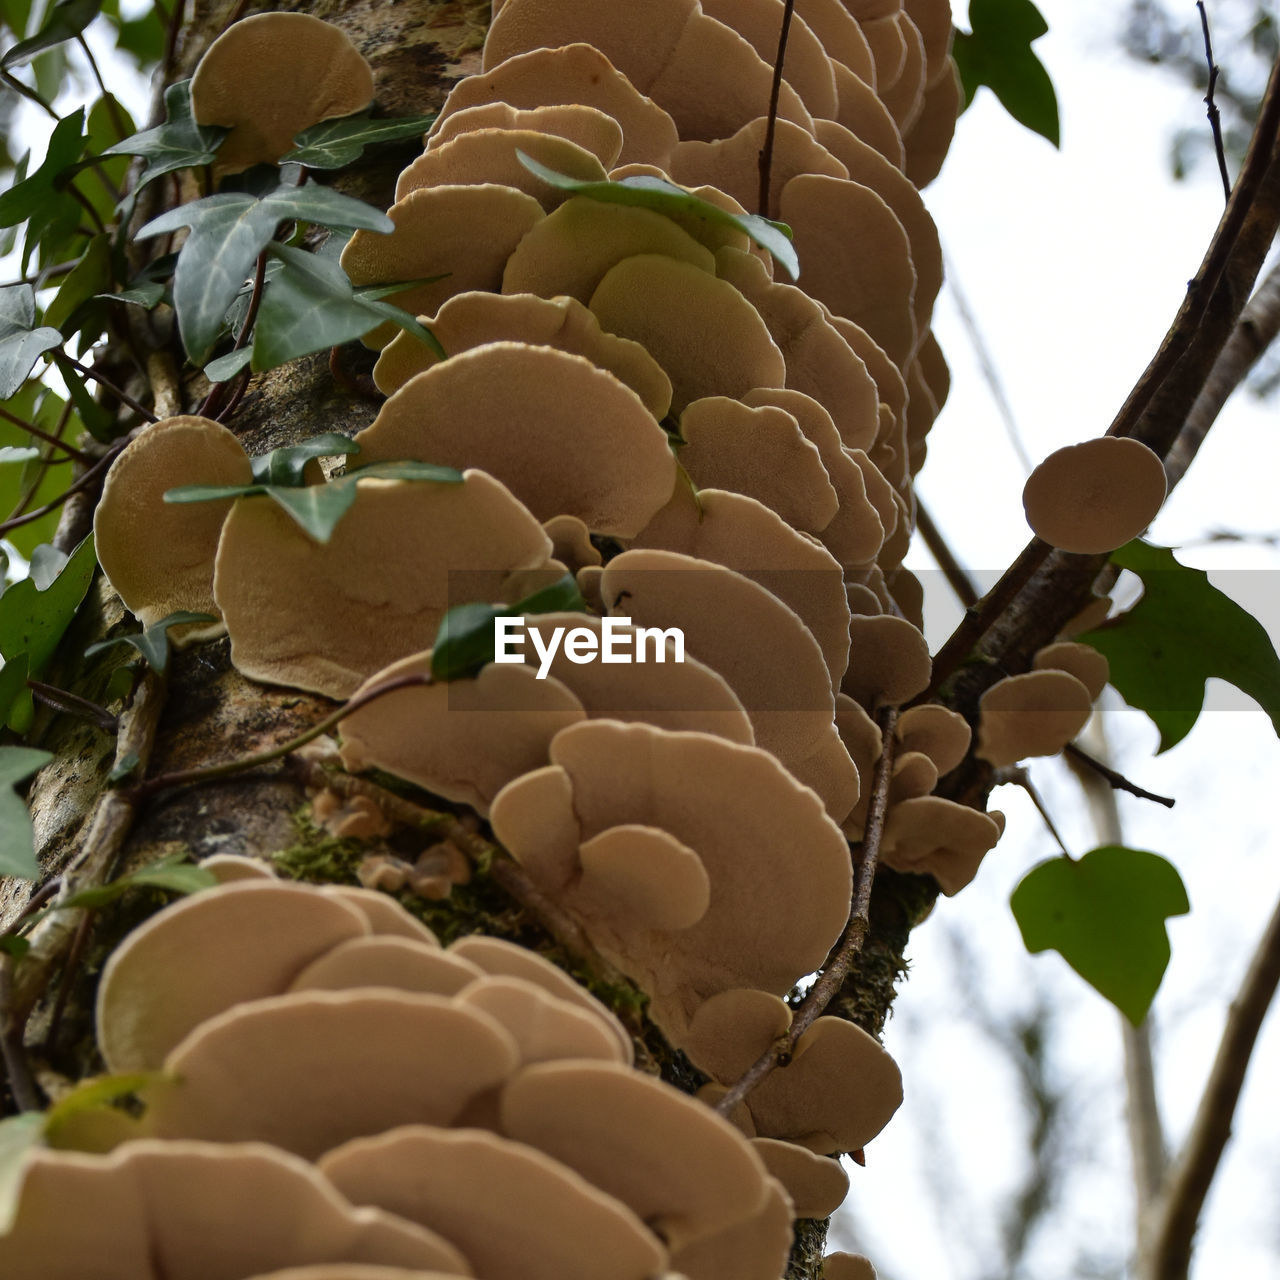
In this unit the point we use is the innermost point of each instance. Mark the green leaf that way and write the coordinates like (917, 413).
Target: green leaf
(17, 453)
(38, 191)
(153, 641)
(17, 844)
(19, 1135)
(179, 143)
(1180, 633)
(145, 295)
(89, 278)
(13, 687)
(32, 621)
(94, 1093)
(171, 873)
(464, 639)
(1105, 914)
(665, 197)
(228, 231)
(310, 305)
(334, 144)
(997, 53)
(287, 465)
(46, 477)
(66, 20)
(21, 343)
(316, 508)
(228, 366)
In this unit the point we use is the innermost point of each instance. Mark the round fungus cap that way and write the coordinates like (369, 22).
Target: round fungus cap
(158, 555)
(937, 732)
(513, 1211)
(1035, 714)
(816, 1184)
(585, 446)
(592, 130)
(1094, 497)
(927, 835)
(1083, 661)
(577, 74)
(847, 1266)
(268, 77)
(753, 1248)
(206, 953)
(400, 964)
(929, 138)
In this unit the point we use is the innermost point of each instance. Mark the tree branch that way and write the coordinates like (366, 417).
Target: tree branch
(1179, 1211)
(771, 127)
(855, 932)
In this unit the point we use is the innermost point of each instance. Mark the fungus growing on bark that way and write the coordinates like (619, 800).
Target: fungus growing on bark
(754, 1248)
(1035, 714)
(455, 238)
(1083, 661)
(929, 138)
(847, 1266)
(159, 557)
(206, 953)
(862, 112)
(592, 130)
(583, 239)
(678, 1166)
(463, 740)
(710, 340)
(400, 964)
(586, 444)
(760, 452)
(703, 73)
(385, 916)
(513, 1211)
(473, 319)
(269, 76)
(816, 1184)
(292, 1070)
(160, 1211)
(299, 612)
(490, 155)
(888, 661)
(939, 733)
(1095, 496)
(928, 835)
(575, 73)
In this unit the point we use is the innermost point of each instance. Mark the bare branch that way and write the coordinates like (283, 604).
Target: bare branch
(1215, 117)
(1194, 1170)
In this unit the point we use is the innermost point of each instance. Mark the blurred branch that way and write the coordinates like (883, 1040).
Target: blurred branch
(1178, 1213)
(1215, 118)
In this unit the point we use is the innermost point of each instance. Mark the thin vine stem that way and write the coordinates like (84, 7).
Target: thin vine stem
(771, 126)
(838, 966)
(70, 450)
(103, 381)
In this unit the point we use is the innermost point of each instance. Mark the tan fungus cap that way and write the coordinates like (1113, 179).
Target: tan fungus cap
(1035, 714)
(592, 130)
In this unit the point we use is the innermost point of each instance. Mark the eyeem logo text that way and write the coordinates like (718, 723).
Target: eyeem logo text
(617, 641)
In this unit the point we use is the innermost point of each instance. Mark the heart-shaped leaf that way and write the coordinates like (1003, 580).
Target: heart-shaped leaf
(179, 143)
(153, 642)
(21, 342)
(1105, 915)
(66, 20)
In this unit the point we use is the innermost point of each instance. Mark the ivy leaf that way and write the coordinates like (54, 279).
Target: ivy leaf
(153, 641)
(665, 197)
(19, 1135)
(1180, 633)
(13, 686)
(21, 342)
(464, 639)
(45, 476)
(287, 465)
(316, 508)
(228, 231)
(171, 873)
(310, 305)
(1105, 915)
(37, 191)
(179, 143)
(228, 366)
(66, 20)
(334, 144)
(17, 846)
(146, 295)
(997, 53)
(89, 278)
(32, 621)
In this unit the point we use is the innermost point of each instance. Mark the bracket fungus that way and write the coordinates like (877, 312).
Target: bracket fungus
(269, 76)
(1035, 714)
(1096, 496)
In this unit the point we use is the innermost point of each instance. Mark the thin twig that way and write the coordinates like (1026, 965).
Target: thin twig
(1215, 119)
(1116, 780)
(240, 386)
(149, 787)
(113, 107)
(1197, 1163)
(1021, 778)
(31, 95)
(102, 380)
(73, 704)
(841, 960)
(90, 477)
(771, 125)
(70, 450)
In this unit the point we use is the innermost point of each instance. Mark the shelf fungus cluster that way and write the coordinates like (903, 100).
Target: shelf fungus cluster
(629, 392)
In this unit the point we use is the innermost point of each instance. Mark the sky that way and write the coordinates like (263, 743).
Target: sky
(1074, 262)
